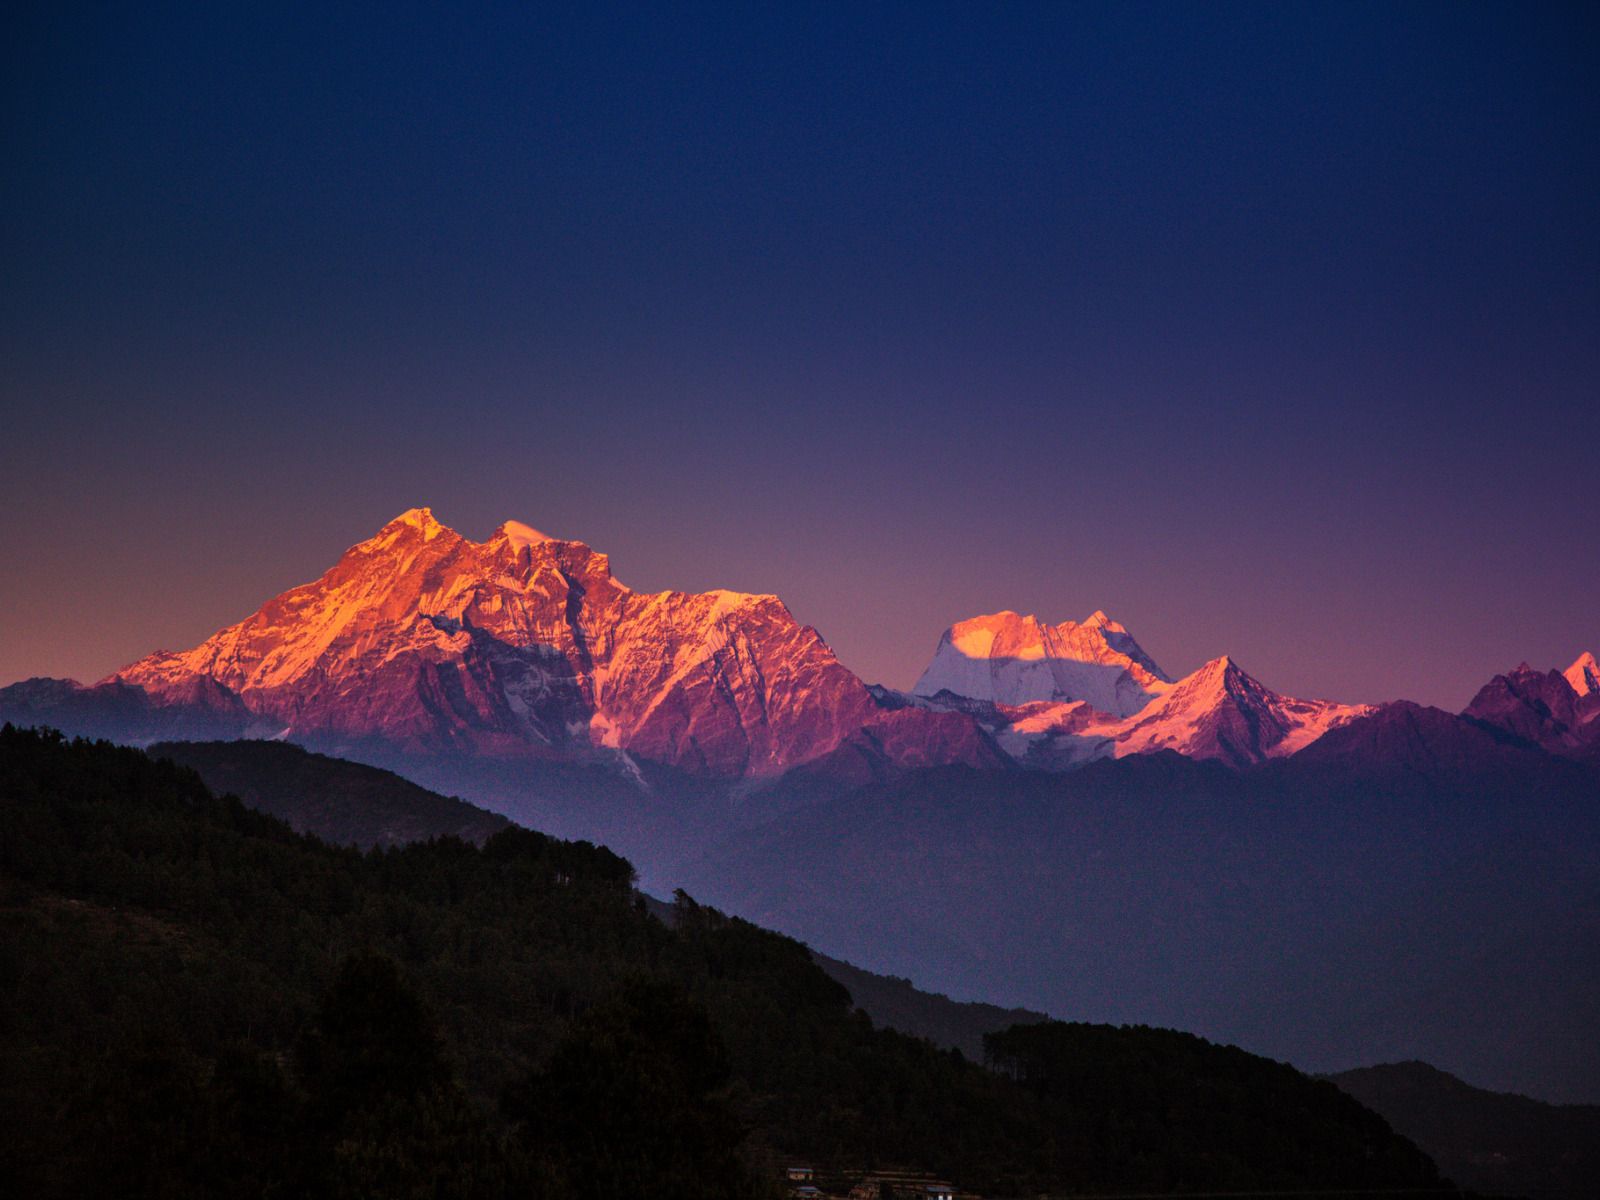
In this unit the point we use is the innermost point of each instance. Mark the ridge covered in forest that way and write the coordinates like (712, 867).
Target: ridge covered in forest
(199, 1001)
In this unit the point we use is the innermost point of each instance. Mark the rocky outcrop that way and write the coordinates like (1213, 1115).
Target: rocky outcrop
(1547, 709)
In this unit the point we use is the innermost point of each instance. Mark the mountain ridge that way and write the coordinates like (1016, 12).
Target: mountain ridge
(526, 648)
(1547, 710)
(419, 648)
(343, 803)
(1493, 1142)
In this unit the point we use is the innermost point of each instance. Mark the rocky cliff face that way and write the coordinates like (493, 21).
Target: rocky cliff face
(525, 645)
(1551, 710)
(1584, 675)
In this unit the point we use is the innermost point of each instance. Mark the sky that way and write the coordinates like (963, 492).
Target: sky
(1271, 330)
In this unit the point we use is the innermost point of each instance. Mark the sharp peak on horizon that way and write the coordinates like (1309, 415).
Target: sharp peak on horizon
(419, 517)
(517, 533)
(1095, 620)
(520, 535)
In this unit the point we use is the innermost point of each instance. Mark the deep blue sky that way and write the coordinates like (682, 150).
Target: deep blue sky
(1272, 330)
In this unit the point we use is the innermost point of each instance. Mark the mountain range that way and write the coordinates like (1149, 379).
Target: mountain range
(1046, 819)
(525, 648)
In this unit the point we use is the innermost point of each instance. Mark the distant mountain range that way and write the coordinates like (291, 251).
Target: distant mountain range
(526, 649)
(201, 1001)
(1045, 819)
(1335, 908)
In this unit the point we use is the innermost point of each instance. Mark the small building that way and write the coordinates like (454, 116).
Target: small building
(799, 1174)
(939, 1191)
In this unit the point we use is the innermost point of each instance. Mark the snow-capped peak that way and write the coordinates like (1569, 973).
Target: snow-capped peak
(1220, 711)
(1002, 658)
(1584, 675)
(412, 521)
(415, 518)
(521, 536)
(525, 645)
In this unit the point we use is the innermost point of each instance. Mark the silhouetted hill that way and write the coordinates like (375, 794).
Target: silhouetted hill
(899, 1004)
(345, 803)
(199, 1001)
(1488, 1141)
(951, 1024)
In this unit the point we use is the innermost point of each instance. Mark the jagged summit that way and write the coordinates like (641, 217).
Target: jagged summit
(524, 644)
(1057, 696)
(420, 519)
(417, 518)
(1220, 711)
(1556, 710)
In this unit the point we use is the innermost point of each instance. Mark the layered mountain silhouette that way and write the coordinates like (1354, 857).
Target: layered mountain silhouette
(1045, 819)
(343, 803)
(1495, 1143)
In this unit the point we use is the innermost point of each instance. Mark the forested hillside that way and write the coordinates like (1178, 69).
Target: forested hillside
(196, 1001)
(346, 803)
(1491, 1141)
